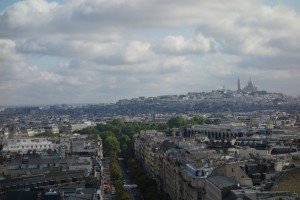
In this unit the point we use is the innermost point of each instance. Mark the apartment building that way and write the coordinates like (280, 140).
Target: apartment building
(184, 168)
(84, 144)
(23, 145)
(220, 131)
(234, 169)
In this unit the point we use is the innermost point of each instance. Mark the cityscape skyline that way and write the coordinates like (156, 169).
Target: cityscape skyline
(89, 51)
(149, 99)
(241, 87)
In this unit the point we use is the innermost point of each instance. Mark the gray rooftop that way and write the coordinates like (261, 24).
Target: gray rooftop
(222, 181)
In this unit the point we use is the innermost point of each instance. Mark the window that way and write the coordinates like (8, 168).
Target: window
(199, 196)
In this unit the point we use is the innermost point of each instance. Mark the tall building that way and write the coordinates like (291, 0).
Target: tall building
(239, 85)
(250, 87)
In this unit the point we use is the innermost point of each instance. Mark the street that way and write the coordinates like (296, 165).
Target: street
(106, 177)
(128, 182)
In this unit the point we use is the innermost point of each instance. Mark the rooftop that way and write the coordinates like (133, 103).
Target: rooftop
(222, 181)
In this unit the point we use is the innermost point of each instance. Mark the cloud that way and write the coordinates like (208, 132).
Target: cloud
(25, 17)
(105, 50)
(138, 51)
(179, 45)
(35, 17)
(13, 65)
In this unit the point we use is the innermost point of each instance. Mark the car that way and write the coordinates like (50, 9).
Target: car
(133, 186)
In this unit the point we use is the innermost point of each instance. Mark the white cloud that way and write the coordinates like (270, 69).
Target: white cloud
(105, 50)
(13, 65)
(179, 45)
(138, 51)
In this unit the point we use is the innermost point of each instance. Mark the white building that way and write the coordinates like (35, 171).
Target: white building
(80, 126)
(32, 132)
(25, 144)
(86, 144)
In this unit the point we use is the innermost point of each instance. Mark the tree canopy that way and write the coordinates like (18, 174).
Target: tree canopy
(176, 122)
(111, 143)
(179, 121)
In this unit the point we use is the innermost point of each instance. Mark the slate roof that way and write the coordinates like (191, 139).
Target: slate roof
(222, 181)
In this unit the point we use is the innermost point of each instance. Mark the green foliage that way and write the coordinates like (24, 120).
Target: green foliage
(116, 136)
(147, 186)
(91, 130)
(124, 142)
(46, 134)
(132, 128)
(159, 127)
(121, 193)
(122, 131)
(116, 175)
(124, 139)
(117, 123)
(111, 127)
(115, 170)
(179, 121)
(176, 122)
(111, 143)
(196, 120)
(65, 133)
(114, 167)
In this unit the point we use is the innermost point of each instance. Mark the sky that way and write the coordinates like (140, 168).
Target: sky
(94, 51)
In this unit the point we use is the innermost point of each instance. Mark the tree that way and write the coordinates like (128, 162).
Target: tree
(147, 186)
(196, 120)
(161, 127)
(46, 134)
(117, 123)
(121, 193)
(111, 143)
(176, 122)
(124, 140)
(91, 130)
(115, 170)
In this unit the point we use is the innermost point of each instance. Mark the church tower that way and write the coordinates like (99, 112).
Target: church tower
(239, 85)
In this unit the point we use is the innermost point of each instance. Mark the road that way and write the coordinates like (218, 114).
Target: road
(106, 177)
(128, 180)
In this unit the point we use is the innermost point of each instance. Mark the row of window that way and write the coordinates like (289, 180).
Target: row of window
(36, 146)
(32, 140)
